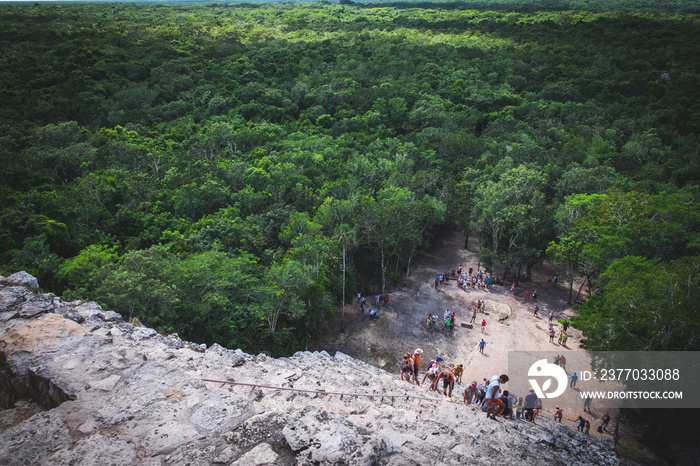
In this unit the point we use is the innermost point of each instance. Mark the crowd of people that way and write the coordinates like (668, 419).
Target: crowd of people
(489, 396)
(434, 322)
(468, 280)
(562, 336)
(379, 301)
(495, 402)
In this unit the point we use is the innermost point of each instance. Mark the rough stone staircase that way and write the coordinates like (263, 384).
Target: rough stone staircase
(107, 392)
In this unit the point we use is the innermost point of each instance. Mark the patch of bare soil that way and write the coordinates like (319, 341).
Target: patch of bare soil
(402, 327)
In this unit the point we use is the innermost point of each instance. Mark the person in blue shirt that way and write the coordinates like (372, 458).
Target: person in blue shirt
(574, 378)
(496, 406)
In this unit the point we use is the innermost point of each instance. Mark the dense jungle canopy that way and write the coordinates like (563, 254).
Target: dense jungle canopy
(204, 167)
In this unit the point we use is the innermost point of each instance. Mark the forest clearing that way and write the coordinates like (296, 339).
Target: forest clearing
(234, 172)
(401, 326)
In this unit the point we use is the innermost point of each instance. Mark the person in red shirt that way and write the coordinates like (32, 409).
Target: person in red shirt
(448, 381)
(483, 326)
(559, 414)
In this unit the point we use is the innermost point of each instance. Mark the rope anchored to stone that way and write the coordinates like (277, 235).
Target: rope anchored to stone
(319, 392)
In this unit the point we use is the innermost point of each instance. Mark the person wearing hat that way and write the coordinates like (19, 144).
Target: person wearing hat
(434, 362)
(469, 393)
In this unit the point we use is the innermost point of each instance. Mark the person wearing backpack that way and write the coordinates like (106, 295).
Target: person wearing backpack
(432, 371)
(435, 362)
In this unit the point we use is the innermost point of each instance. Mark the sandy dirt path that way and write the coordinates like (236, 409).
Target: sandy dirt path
(402, 328)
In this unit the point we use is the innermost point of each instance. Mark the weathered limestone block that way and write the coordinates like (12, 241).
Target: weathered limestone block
(31, 441)
(21, 279)
(322, 437)
(261, 455)
(97, 449)
(90, 310)
(220, 412)
(12, 296)
(34, 308)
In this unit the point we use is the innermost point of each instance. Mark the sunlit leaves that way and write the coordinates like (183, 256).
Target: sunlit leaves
(644, 305)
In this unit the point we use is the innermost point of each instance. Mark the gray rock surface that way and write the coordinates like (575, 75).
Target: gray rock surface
(21, 279)
(261, 455)
(322, 437)
(80, 386)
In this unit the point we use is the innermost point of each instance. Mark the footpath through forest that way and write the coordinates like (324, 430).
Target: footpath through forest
(402, 327)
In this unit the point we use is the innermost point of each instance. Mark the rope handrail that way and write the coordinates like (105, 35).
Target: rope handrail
(320, 392)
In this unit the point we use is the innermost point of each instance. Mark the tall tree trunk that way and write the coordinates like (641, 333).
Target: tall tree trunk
(571, 287)
(383, 272)
(342, 312)
(408, 264)
(580, 288)
(395, 264)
